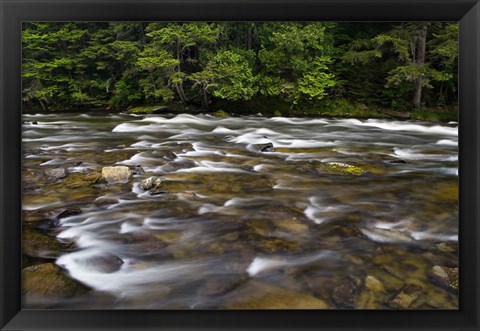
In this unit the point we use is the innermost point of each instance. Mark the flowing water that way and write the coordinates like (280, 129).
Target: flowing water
(233, 227)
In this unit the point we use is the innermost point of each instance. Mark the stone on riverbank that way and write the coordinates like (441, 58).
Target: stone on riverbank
(147, 109)
(117, 174)
(48, 280)
(220, 114)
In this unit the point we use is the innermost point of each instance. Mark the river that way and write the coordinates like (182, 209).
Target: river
(235, 227)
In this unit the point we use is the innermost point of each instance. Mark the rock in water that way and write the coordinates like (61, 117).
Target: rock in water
(344, 295)
(150, 183)
(405, 298)
(338, 168)
(106, 263)
(268, 147)
(138, 170)
(116, 175)
(448, 275)
(48, 280)
(56, 173)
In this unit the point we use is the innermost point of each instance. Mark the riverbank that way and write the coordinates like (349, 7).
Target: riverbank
(336, 109)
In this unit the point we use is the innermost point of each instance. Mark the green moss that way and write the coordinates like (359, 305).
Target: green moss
(147, 109)
(77, 180)
(220, 114)
(48, 280)
(336, 168)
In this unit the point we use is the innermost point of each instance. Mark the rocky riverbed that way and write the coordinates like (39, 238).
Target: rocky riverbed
(198, 212)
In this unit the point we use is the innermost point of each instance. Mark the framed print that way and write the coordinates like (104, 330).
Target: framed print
(240, 165)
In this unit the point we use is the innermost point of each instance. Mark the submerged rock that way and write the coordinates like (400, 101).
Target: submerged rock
(338, 168)
(69, 212)
(178, 164)
(150, 183)
(56, 173)
(138, 170)
(117, 174)
(48, 280)
(107, 263)
(268, 147)
(257, 295)
(406, 297)
(344, 295)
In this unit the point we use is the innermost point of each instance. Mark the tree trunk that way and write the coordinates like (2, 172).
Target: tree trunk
(205, 97)
(420, 61)
(179, 86)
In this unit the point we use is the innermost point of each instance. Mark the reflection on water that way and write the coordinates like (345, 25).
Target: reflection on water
(232, 226)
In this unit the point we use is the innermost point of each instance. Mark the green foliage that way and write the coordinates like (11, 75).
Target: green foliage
(227, 75)
(306, 67)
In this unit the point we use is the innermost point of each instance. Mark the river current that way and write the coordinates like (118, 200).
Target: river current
(236, 227)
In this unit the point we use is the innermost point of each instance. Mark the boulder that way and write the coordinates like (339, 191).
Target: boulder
(77, 180)
(150, 183)
(36, 244)
(117, 174)
(48, 280)
(268, 147)
(56, 173)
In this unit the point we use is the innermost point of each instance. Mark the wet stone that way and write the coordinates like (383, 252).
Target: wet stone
(138, 170)
(48, 280)
(344, 295)
(69, 212)
(338, 168)
(268, 147)
(106, 263)
(257, 295)
(150, 183)
(406, 297)
(448, 275)
(36, 244)
(117, 174)
(220, 286)
(56, 173)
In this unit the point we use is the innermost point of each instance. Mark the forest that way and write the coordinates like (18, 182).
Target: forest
(404, 70)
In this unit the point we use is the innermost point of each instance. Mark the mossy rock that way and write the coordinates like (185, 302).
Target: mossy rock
(338, 168)
(77, 180)
(220, 114)
(36, 244)
(147, 109)
(48, 280)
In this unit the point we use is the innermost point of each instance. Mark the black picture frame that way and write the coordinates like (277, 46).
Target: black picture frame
(14, 12)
